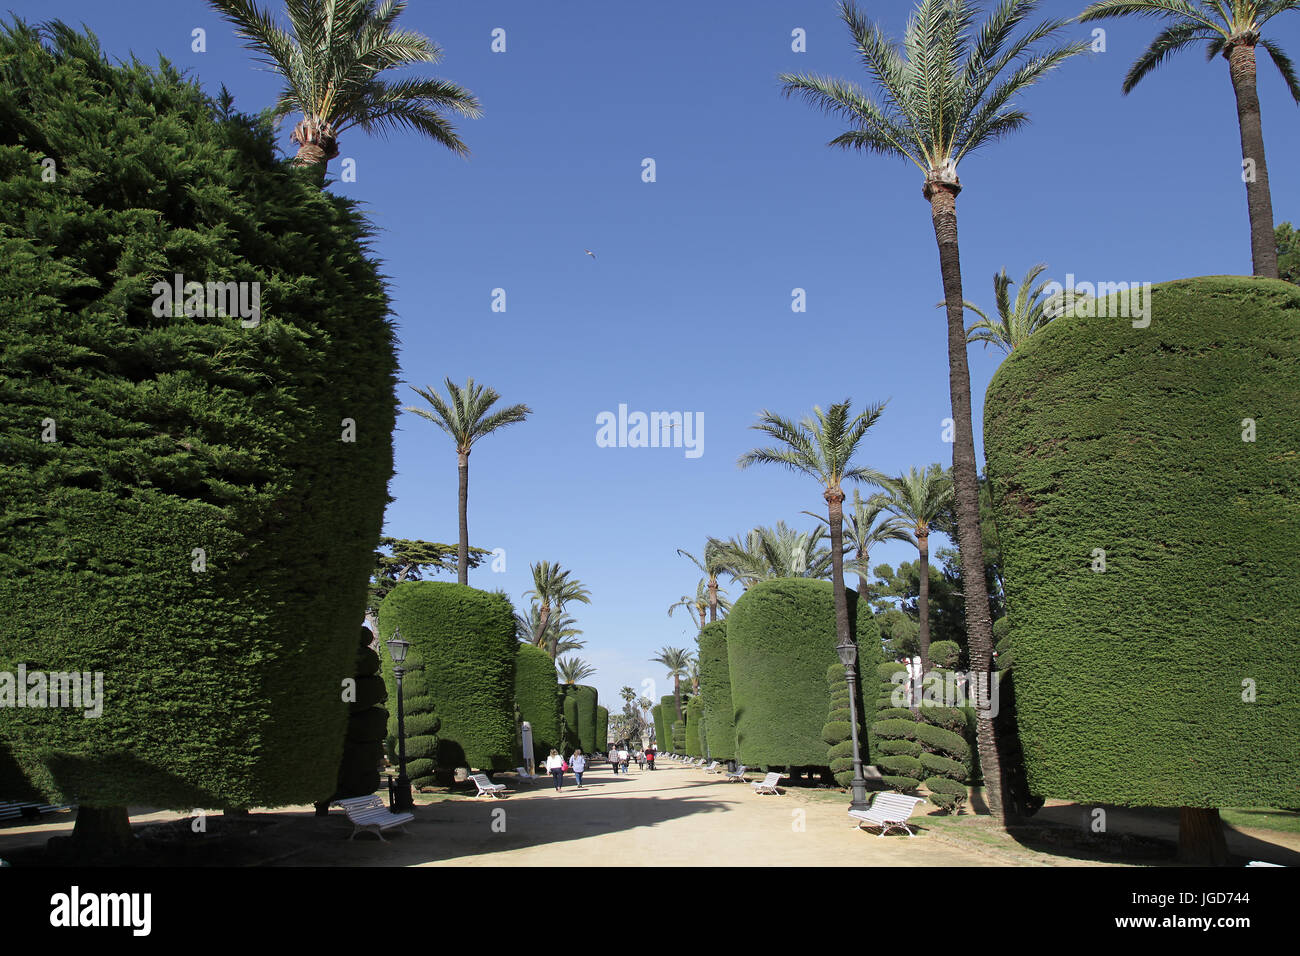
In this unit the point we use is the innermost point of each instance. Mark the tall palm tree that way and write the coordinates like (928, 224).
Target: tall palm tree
(552, 587)
(712, 565)
(705, 600)
(866, 526)
(921, 498)
(560, 631)
(332, 59)
(573, 669)
(466, 415)
(780, 552)
(941, 94)
(1230, 28)
(1017, 321)
(678, 661)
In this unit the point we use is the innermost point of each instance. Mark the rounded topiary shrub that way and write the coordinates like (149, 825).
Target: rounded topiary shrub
(715, 688)
(466, 639)
(780, 643)
(186, 509)
(946, 793)
(363, 746)
(421, 718)
(679, 736)
(537, 695)
(1144, 488)
(946, 654)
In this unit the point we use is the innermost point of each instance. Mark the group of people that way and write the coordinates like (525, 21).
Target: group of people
(620, 759)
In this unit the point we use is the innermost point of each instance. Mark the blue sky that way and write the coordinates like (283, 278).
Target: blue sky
(687, 305)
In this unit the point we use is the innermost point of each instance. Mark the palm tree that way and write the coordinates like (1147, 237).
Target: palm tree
(467, 417)
(712, 565)
(1231, 29)
(780, 552)
(1015, 322)
(706, 599)
(551, 586)
(921, 498)
(864, 528)
(559, 632)
(942, 94)
(573, 669)
(332, 58)
(678, 661)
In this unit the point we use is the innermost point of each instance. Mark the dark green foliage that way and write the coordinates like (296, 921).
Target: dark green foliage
(895, 729)
(902, 766)
(367, 726)
(780, 643)
(661, 738)
(679, 736)
(466, 639)
(171, 433)
(571, 740)
(694, 742)
(421, 717)
(898, 747)
(715, 688)
(946, 793)
(1129, 683)
(945, 653)
(895, 713)
(586, 701)
(602, 728)
(669, 711)
(943, 766)
(838, 729)
(537, 695)
(891, 692)
(949, 718)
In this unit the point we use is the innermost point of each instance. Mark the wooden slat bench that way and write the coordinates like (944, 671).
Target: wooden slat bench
(369, 813)
(486, 788)
(887, 811)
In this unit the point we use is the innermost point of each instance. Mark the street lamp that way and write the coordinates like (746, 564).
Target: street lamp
(397, 649)
(848, 652)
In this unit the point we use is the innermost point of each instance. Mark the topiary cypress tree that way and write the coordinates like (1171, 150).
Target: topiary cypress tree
(466, 639)
(668, 712)
(694, 741)
(838, 729)
(570, 724)
(537, 695)
(602, 729)
(363, 746)
(191, 491)
(780, 642)
(586, 700)
(679, 736)
(715, 691)
(657, 716)
(1141, 481)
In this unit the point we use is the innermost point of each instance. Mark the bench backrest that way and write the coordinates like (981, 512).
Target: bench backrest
(481, 779)
(740, 771)
(894, 806)
(771, 779)
(357, 804)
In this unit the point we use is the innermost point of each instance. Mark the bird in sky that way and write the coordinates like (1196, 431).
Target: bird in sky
(590, 253)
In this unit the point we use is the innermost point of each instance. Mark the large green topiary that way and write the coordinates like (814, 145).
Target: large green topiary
(694, 740)
(838, 729)
(715, 689)
(602, 729)
(585, 700)
(363, 746)
(656, 716)
(780, 642)
(466, 638)
(1168, 679)
(189, 502)
(668, 710)
(679, 736)
(537, 694)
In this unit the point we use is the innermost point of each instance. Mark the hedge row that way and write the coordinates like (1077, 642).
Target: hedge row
(715, 688)
(537, 695)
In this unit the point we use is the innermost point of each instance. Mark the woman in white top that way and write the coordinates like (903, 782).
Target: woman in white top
(555, 764)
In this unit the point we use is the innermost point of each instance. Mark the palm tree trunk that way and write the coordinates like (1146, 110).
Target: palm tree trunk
(979, 625)
(462, 550)
(835, 508)
(677, 695)
(1259, 201)
(1200, 837)
(923, 601)
(101, 833)
(543, 616)
(713, 598)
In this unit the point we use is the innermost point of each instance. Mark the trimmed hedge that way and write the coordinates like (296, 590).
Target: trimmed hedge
(537, 695)
(656, 714)
(669, 711)
(1132, 684)
(602, 728)
(170, 433)
(586, 700)
(694, 742)
(466, 638)
(570, 704)
(837, 732)
(363, 744)
(422, 720)
(780, 643)
(945, 654)
(679, 736)
(715, 688)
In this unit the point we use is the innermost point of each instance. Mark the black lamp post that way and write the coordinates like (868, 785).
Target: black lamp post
(397, 650)
(848, 652)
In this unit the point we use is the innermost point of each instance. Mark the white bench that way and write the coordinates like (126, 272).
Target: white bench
(369, 813)
(712, 768)
(887, 811)
(737, 775)
(767, 784)
(486, 788)
(525, 776)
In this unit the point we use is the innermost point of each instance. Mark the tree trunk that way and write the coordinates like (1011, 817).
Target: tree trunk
(713, 598)
(677, 696)
(543, 617)
(1201, 840)
(1259, 201)
(923, 600)
(317, 145)
(835, 513)
(462, 549)
(979, 625)
(101, 833)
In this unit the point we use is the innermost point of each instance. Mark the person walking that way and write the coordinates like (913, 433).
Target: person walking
(650, 758)
(623, 758)
(555, 764)
(579, 763)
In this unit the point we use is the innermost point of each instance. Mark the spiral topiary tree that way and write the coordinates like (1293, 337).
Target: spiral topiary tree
(780, 643)
(191, 487)
(363, 746)
(1141, 471)
(466, 639)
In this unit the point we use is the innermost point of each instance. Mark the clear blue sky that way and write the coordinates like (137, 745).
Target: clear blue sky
(687, 305)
